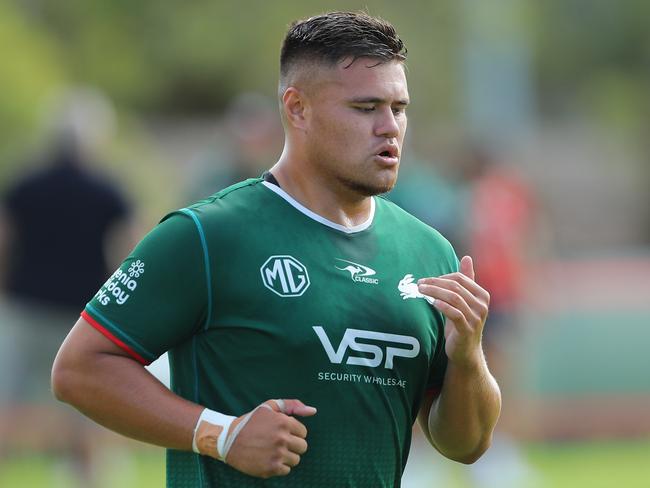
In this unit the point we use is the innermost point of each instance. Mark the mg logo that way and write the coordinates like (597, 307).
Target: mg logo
(409, 347)
(285, 276)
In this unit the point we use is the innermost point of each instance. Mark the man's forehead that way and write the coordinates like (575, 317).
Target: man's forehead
(368, 65)
(362, 73)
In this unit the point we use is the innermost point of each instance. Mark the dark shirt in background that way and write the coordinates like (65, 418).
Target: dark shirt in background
(60, 217)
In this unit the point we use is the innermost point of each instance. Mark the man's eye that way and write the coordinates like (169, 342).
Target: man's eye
(365, 108)
(399, 110)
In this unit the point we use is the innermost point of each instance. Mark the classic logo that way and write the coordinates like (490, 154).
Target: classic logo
(359, 272)
(408, 289)
(376, 351)
(285, 276)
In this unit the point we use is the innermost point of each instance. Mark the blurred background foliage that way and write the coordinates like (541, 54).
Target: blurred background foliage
(593, 58)
(588, 60)
(194, 56)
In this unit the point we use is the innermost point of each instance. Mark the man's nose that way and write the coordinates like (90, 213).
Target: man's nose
(387, 125)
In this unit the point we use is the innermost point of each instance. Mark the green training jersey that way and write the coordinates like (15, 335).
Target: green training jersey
(256, 297)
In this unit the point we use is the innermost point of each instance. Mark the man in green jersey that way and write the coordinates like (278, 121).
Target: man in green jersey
(309, 323)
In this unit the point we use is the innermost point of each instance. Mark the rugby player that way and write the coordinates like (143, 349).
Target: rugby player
(309, 321)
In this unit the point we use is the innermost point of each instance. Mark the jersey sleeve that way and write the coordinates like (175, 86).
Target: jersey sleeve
(438, 366)
(158, 297)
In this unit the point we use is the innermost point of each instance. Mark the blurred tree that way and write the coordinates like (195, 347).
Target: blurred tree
(594, 55)
(104, 45)
(30, 76)
(194, 56)
(590, 59)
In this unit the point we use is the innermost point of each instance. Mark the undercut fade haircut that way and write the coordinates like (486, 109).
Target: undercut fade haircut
(332, 37)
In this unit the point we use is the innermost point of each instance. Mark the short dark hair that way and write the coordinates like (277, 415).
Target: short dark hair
(334, 36)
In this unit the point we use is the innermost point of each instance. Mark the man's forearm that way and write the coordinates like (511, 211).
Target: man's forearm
(463, 417)
(132, 403)
(99, 379)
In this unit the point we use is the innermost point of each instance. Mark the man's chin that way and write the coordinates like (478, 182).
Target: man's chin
(368, 189)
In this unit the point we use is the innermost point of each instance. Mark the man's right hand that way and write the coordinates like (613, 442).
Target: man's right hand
(272, 440)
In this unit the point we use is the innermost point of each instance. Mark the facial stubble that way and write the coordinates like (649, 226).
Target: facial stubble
(366, 189)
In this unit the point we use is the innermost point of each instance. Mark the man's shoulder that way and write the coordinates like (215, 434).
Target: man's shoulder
(416, 235)
(232, 210)
(242, 191)
(398, 218)
(239, 199)
(224, 213)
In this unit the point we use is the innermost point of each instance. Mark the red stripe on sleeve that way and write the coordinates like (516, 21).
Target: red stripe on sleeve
(113, 339)
(434, 392)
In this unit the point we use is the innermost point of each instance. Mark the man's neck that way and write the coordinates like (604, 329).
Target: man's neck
(318, 195)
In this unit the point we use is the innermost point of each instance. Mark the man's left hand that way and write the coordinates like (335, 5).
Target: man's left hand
(465, 306)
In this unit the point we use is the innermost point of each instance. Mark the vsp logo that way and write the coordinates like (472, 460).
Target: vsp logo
(349, 341)
(285, 276)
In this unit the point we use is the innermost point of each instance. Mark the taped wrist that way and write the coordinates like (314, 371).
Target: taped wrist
(214, 424)
(209, 426)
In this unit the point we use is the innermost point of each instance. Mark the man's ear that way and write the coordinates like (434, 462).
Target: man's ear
(296, 108)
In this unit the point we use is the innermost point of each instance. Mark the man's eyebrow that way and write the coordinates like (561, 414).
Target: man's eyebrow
(402, 101)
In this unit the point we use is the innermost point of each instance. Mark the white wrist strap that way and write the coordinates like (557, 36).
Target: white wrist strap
(215, 418)
(226, 439)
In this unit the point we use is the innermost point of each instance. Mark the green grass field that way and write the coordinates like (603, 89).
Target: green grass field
(625, 465)
(568, 465)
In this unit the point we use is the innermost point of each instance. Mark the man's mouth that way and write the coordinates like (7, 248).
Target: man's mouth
(389, 154)
(390, 151)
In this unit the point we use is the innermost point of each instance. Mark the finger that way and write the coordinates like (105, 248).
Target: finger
(275, 405)
(461, 318)
(467, 267)
(291, 407)
(282, 470)
(472, 286)
(297, 428)
(297, 445)
(478, 304)
(456, 298)
(455, 316)
(291, 459)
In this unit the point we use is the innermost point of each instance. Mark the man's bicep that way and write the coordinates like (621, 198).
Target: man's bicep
(84, 340)
(78, 356)
(102, 340)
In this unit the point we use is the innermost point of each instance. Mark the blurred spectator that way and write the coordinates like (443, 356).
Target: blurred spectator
(500, 222)
(250, 143)
(427, 194)
(55, 229)
(501, 219)
(486, 211)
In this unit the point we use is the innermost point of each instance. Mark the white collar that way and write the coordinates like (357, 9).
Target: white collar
(314, 216)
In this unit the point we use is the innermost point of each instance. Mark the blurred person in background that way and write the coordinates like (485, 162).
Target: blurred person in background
(61, 226)
(250, 136)
(425, 192)
(501, 223)
(487, 210)
(500, 227)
